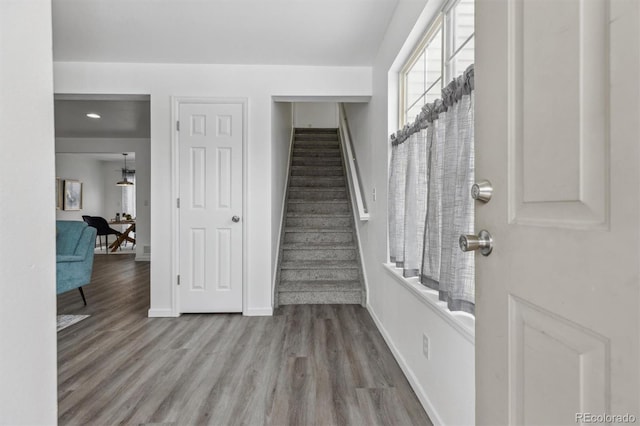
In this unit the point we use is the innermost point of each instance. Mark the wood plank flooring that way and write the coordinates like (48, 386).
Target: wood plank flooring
(306, 365)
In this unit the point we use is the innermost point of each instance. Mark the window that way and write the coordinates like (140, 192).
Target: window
(129, 194)
(446, 50)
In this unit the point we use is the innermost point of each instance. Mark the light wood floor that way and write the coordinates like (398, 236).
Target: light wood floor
(308, 364)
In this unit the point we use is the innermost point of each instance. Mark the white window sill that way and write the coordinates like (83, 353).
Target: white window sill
(463, 322)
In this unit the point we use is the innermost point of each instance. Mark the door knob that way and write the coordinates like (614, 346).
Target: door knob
(482, 191)
(235, 219)
(483, 242)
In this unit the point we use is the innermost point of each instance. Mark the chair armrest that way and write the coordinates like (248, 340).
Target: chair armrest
(86, 242)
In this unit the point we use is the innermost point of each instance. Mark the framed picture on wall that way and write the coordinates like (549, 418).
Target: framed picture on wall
(72, 194)
(59, 191)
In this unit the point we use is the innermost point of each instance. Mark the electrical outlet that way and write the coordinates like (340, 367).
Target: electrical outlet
(425, 345)
(374, 194)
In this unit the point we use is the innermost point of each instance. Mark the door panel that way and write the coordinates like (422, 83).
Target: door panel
(557, 112)
(210, 150)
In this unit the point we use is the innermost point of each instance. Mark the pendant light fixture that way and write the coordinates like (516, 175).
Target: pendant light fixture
(124, 181)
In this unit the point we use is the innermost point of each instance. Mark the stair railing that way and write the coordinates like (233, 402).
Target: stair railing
(351, 165)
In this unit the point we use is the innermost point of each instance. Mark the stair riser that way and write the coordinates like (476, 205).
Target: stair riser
(317, 171)
(318, 222)
(317, 137)
(300, 286)
(316, 153)
(318, 274)
(319, 237)
(318, 196)
(316, 144)
(330, 297)
(317, 161)
(317, 181)
(319, 254)
(318, 208)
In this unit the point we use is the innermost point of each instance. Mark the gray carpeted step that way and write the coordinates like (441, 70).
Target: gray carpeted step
(317, 181)
(306, 270)
(329, 206)
(320, 285)
(305, 130)
(314, 137)
(329, 144)
(317, 171)
(321, 297)
(314, 253)
(303, 220)
(317, 235)
(312, 194)
(316, 161)
(300, 152)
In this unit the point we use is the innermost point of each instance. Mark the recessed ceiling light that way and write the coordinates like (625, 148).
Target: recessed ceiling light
(93, 115)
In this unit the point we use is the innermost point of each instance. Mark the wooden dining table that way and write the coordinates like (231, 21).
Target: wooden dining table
(123, 236)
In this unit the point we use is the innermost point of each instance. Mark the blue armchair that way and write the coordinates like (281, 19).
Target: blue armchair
(75, 242)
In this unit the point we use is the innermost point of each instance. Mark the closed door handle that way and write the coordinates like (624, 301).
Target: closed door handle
(235, 219)
(482, 242)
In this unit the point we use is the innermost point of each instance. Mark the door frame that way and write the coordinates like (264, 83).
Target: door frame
(176, 102)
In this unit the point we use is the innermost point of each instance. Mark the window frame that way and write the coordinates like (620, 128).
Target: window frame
(433, 28)
(442, 21)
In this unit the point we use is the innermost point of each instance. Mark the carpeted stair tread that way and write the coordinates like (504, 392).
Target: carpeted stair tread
(315, 189)
(319, 264)
(319, 298)
(336, 229)
(319, 246)
(315, 130)
(296, 201)
(314, 152)
(307, 215)
(319, 285)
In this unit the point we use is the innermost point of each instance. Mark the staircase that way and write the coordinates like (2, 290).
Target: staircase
(319, 260)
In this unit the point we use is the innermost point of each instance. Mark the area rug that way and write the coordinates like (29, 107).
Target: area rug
(65, 321)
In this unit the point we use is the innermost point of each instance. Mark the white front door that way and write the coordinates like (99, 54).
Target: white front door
(210, 143)
(558, 134)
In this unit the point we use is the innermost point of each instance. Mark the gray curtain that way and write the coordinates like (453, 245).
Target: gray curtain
(431, 175)
(396, 202)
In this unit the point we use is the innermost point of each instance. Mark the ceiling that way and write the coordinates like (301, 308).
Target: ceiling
(279, 32)
(105, 156)
(127, 117)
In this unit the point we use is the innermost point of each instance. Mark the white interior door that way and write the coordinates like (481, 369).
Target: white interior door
(210, 214)
(557, 133)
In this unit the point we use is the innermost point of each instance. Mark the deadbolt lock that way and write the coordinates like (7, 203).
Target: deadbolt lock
(482, 191)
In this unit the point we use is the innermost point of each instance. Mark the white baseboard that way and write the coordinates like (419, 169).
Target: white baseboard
(413, 381)
(161, 313)
(143, 258)
(258, 312)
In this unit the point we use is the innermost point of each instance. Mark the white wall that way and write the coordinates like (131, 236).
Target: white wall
(142, 149)
(320, 115)
(89, 172)
(445, 382)
(28, 379)
(256, 83)
(281, 125)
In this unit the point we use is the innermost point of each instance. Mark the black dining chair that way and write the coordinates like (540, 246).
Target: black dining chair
(103, 228)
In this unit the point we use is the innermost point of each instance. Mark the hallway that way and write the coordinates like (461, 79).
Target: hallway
(308, 364)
